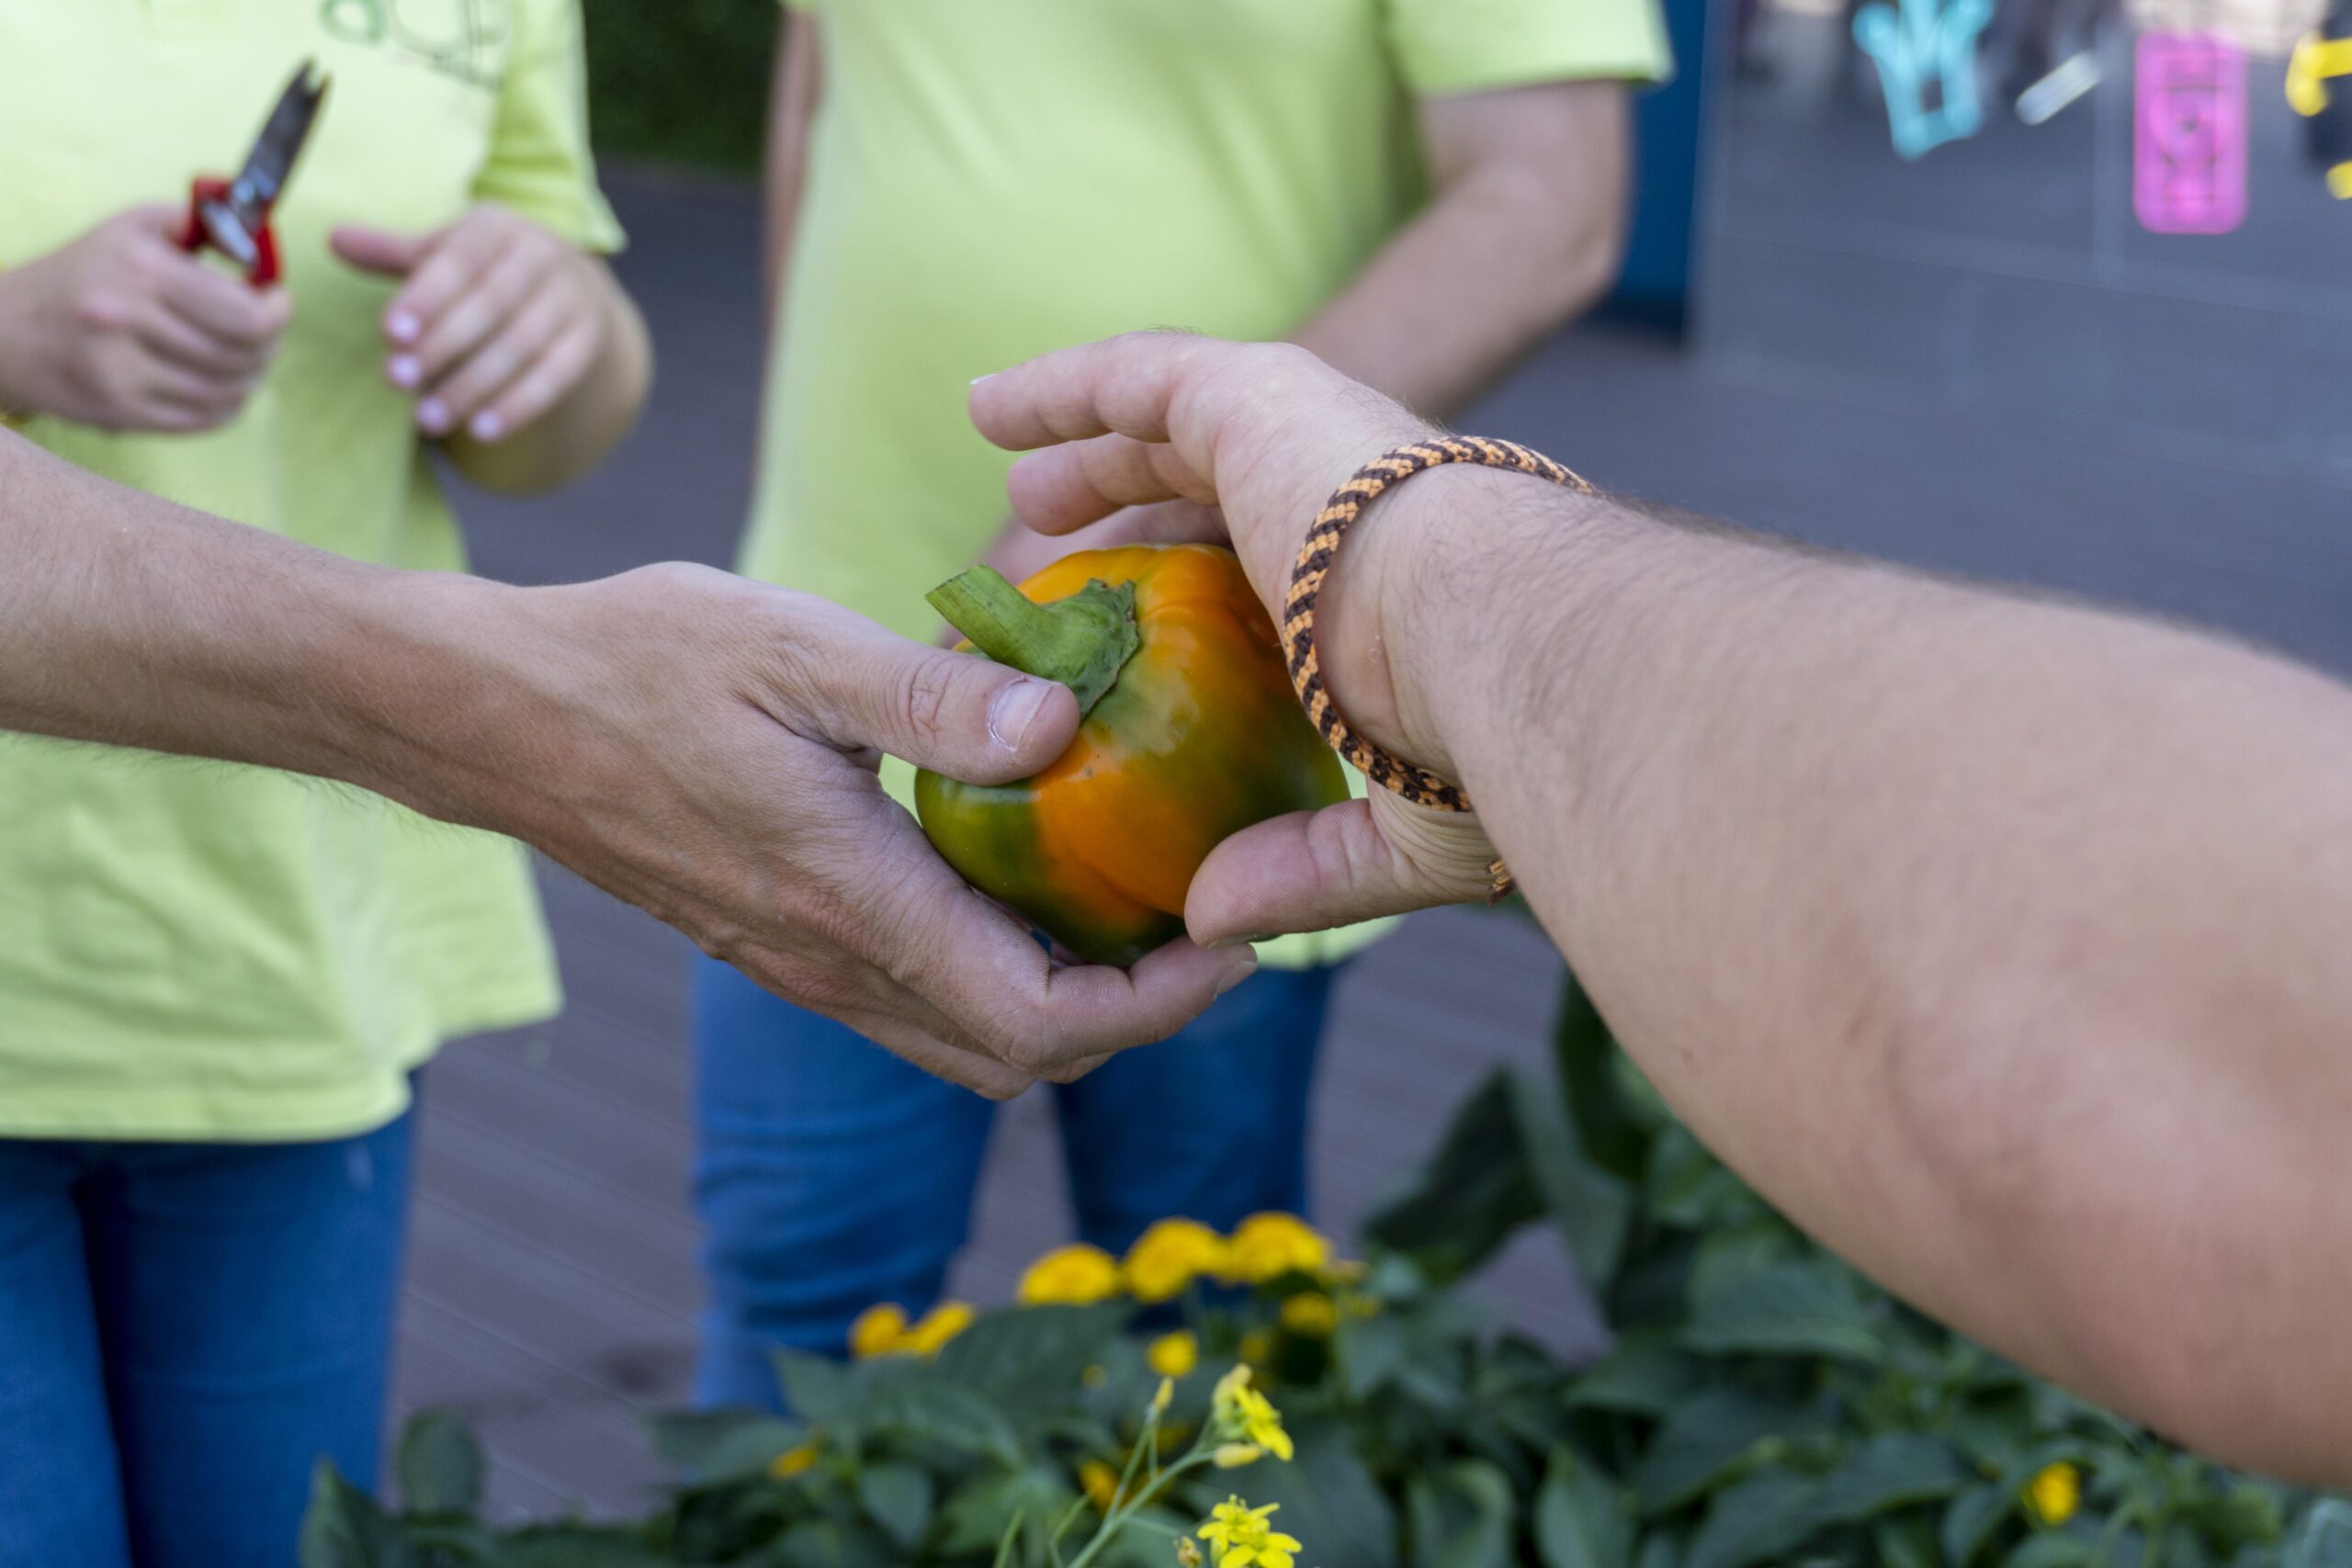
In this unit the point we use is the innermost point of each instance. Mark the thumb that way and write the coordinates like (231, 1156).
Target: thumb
(1313, 870)
(955, 713)
(374, 250)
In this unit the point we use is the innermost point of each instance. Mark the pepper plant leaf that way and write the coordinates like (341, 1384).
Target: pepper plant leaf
(440, 1465)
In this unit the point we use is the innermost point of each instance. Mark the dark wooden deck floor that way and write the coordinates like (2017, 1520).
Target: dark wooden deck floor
(553, 1285)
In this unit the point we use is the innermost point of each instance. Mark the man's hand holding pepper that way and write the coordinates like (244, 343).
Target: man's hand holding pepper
(1143, 434)
(701, 745)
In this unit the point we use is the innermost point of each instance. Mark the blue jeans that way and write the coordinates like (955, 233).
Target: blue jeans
(184, 1329)
(833, 1176)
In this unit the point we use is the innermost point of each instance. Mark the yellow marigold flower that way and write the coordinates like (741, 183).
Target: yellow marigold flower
(1171, 1256)
(1187, 1554)
(878, 1331)
(1233, 1456)
(1174, 1355)
(1079, 1275)
(1311, 1315)
(940, 1325)
(1243, 1412)
(1244, 1538)
(792, 1461)
(1269, 1246)
(1101, 1484)
(1257, 1345)
(2054, 1493)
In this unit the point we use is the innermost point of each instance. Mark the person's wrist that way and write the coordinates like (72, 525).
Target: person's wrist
(1379, 628)
(452, 717)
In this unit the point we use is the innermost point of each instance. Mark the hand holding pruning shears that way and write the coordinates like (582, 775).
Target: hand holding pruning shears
(125, 328)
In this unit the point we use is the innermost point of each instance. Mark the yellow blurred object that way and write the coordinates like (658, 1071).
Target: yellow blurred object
(2054, 1493)
(1267, 1246)
(879, 1330)
(1101, 1484)
(1311, 1315)
(1078, 1275)
(1257, 1345)
(1171, 1256)
(792, 1461)
(1242, 1412)
(940, 1325)
(1174, 1355)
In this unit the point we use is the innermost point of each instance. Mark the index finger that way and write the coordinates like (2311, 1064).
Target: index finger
(1264, 431)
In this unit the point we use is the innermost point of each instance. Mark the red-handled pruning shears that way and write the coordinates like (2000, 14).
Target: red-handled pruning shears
(233, 215)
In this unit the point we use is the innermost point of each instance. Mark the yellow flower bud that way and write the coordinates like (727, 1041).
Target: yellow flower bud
(1188, 1555)
(2054, 1493)
(1101, 1484)
(1079, 1275)
(879, 1330)
(1171, 1256)
(793, 1461)
(1174, 1355)
(940, 1325)
(1267, 1246)
(1233, 1456)
(1311, 1315)
(1160, 1397)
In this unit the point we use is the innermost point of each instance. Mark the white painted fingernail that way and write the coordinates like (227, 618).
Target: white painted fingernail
(1013, 710)
(434, 415)
(403, 326)
(487, 426)
(1236, 975)
(404, 370)
(989, 377)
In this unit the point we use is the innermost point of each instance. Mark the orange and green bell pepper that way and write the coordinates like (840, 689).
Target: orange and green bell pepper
(1189, 734)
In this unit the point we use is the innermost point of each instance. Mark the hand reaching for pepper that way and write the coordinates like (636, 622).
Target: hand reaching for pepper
(1146, 433)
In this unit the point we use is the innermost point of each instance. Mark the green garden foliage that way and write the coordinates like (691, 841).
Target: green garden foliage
(682, 82)
(1762, 1404)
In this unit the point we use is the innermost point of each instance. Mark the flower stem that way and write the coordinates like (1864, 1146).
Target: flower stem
(1082, 641)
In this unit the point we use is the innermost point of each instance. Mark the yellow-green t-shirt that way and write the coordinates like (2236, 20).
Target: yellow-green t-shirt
(989, 180)
(192, 950)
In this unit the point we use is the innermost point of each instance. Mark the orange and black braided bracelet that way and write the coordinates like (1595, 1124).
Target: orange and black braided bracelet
(1315, 557)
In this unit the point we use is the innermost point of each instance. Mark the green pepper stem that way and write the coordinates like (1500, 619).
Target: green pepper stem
(1082, 641)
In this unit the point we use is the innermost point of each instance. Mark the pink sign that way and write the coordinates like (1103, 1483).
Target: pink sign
(2188, 138)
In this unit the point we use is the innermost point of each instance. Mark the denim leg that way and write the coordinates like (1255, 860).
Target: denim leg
(831, 1176)
(60, 1496)
(245, 1301)
(1210, 1124)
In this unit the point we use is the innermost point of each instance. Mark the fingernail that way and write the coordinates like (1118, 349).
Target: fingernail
(1236, 975)
(1013, 710)
(1221, 943)
(403, 326)
(989, 377)
(487, 426)
(434, 415)
(404, 370)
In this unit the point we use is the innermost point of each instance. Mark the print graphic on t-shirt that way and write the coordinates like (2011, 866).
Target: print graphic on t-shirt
(464, 38)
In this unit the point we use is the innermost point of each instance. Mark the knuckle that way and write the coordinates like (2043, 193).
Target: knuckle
(920, 700)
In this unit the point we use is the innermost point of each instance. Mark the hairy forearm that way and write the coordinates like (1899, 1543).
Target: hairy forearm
(127, 620)
(582, 429)
(1999, 941)
(1509, 248)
